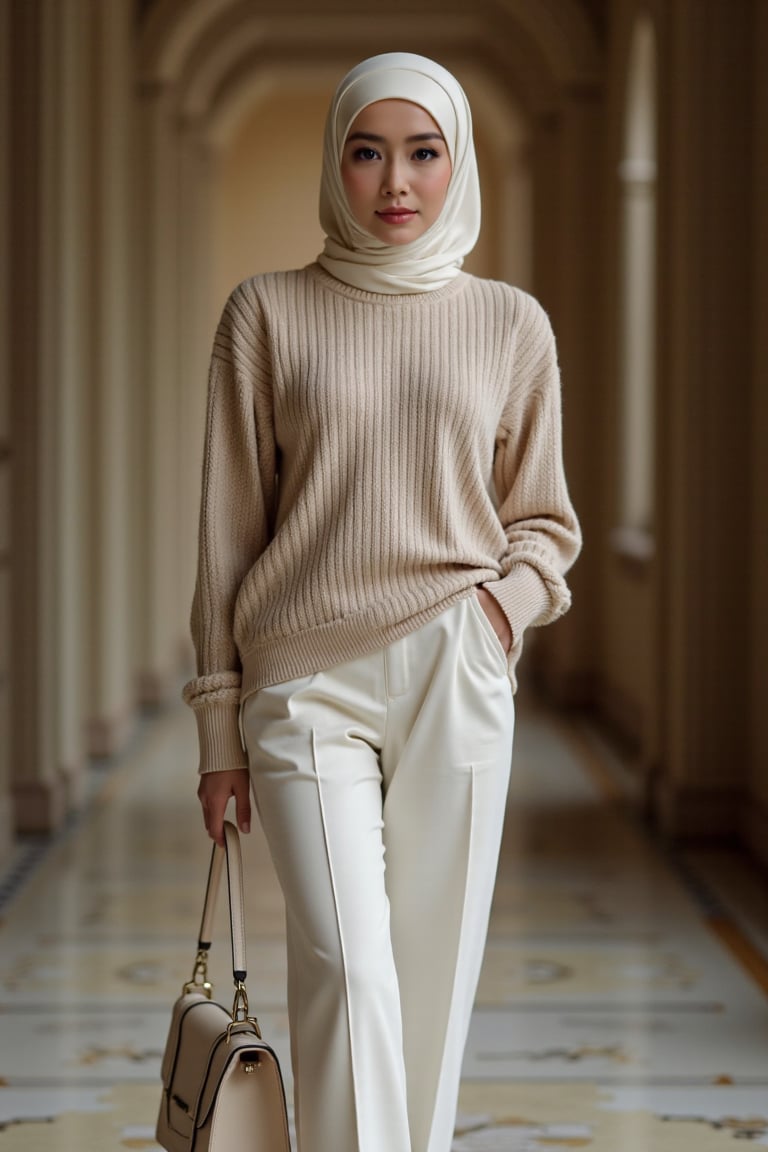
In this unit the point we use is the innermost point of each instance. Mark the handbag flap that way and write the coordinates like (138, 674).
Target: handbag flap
(228, 1057)
(197, 1053)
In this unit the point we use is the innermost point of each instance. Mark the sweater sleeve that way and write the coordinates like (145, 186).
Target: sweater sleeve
(543, 535)
(238, 494)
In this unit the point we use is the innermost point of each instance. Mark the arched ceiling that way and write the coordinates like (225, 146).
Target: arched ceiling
(204, 49)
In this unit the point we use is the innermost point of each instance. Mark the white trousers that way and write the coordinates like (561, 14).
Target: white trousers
(381, 787)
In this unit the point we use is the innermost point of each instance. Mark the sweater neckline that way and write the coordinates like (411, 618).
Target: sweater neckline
(394, 300)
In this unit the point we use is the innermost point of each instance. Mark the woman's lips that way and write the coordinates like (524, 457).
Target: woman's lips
(396, 215)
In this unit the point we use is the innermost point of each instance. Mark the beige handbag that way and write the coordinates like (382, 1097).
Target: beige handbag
(222, 1086)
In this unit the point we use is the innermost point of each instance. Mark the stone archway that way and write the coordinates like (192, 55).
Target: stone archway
(536, 47)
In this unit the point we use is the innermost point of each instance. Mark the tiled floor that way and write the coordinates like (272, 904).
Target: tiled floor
(610, 1015)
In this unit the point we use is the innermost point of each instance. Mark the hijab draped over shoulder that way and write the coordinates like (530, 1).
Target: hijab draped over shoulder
(353, 254)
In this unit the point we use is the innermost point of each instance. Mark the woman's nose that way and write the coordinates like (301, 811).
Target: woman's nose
(395, 182)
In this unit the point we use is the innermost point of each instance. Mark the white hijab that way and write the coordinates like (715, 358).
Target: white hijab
(353, 254)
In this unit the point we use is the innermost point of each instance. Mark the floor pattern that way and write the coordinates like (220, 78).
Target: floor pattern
(610, 1016)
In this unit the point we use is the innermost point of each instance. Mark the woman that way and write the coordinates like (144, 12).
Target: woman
(361, 602)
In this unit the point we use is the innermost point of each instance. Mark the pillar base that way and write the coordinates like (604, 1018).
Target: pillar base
(7, 842)
(155, 687)
(108, 735)
(755, 831)
(696, 813)
(40, 806)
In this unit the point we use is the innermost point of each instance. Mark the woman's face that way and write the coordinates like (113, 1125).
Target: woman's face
(395, 168)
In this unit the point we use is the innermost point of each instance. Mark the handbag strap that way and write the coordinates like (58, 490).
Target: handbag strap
(234, 860)
(233, 856)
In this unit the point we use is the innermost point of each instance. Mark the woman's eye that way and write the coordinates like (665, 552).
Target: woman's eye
(365, 154)
(425, 154)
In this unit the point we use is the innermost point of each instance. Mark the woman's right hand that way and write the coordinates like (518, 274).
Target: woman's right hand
(495, 614)
(214, 791)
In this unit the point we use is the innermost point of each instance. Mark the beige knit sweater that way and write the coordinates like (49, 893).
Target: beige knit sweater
(351, 443)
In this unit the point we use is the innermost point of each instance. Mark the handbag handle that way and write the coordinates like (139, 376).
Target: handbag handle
(233, 856)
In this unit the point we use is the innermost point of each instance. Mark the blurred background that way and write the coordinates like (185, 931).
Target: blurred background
(156, 152)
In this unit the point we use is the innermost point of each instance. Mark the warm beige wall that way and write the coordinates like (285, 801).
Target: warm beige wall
(265, 189)
(484, 260)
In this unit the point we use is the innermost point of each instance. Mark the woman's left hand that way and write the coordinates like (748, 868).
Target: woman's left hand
(495, 614)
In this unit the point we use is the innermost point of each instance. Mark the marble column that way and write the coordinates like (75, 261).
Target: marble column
(6, 808)
(156, 556)
(565, 277)
(48, 364)
(198, 316)
(623, 535)
(703, 540)
(113, 466)
(756, 816)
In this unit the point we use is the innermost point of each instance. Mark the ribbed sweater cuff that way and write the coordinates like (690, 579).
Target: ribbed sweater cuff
(523, 597)
(218, 729)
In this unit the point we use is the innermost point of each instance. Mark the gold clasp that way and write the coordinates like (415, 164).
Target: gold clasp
(240, 1013)
(240, 1004)
(199, 981)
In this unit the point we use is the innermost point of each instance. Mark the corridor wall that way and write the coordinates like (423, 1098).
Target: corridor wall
(118, 125)
(6, 808)
(67, 188)
(756, 818)
(46, 366)
(680, 670)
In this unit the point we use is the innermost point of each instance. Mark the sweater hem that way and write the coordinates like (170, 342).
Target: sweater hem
(280, 659)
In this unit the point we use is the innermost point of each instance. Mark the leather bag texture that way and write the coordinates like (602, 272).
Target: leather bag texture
(222, 1085)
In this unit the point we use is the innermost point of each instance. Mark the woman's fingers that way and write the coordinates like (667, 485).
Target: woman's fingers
(495, 614)
(214, 791)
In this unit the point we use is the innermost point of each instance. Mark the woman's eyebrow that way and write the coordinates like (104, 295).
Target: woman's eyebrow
(382, 139)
